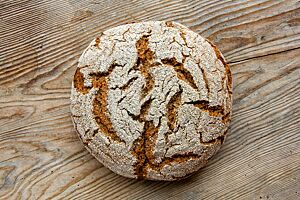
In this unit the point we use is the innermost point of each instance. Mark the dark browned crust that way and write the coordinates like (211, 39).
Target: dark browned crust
(181, 72)
(100, 104)
(172, 107)
(79, 82)
(169, 24)
(182, 34)
(99, 80)
(215, 111)
(97, 41)
(144, 60)
(143, 148)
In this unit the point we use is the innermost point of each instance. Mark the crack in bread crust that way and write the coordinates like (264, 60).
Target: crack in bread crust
(172, 107)
(181, 72)
(169, 24)
(144, 110)
(142, 147)
(100, 104)
(79, 82)
(205, 80)
(127, 85)
(144, 60)
(215, 111)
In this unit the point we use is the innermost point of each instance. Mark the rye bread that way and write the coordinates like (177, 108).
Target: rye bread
(152, 100)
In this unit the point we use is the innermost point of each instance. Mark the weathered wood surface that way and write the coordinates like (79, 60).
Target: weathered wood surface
(40, 154)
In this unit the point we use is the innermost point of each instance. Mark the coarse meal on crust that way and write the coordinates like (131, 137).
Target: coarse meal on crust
(152, 100)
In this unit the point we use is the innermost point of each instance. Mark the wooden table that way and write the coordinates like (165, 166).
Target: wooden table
(41, 157)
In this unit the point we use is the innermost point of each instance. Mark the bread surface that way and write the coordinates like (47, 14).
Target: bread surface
(152, 100)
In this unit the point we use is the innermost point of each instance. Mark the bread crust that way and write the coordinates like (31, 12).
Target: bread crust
(152, 100)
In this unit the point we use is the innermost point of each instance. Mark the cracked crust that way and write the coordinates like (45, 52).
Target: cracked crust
(152, 100)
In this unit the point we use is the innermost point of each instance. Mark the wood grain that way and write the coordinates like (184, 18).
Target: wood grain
(40, 154)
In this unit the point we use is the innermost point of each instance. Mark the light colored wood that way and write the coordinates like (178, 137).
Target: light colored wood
(40, 154)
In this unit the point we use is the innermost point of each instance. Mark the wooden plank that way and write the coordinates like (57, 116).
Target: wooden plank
(40, 154)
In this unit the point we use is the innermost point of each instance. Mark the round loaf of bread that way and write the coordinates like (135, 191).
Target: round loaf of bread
(152, 100)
